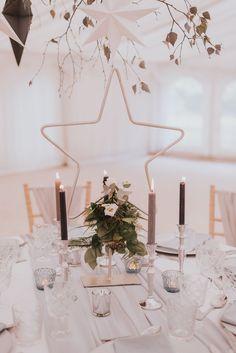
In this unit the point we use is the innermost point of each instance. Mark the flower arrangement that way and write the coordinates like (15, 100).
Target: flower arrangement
(114, 220)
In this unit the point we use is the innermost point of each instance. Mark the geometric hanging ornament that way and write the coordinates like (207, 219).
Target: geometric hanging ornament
(19, 16)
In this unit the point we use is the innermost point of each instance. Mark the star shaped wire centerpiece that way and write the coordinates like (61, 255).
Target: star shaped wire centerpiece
(114, 71)
(19, 16)
(116, 19)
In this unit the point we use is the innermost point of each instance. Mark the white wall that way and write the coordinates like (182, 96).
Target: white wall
(23, 110)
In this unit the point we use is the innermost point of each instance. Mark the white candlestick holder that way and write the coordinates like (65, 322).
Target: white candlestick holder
(181, 250)
(150, 303)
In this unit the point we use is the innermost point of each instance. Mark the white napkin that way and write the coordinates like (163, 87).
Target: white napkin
(147, 344)
(229, 315)
(6, 342)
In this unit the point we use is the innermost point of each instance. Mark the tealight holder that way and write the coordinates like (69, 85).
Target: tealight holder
(44, 277)
(172, 280)
(74, 256)
(133, 264)
(101, 302)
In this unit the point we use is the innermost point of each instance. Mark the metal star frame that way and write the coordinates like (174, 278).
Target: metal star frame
(116, 72)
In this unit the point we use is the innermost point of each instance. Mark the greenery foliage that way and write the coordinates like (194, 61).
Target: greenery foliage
(114, 221)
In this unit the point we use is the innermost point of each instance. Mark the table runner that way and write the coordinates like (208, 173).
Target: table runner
(126, 319)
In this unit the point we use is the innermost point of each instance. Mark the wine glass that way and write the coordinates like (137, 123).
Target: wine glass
(229, 279)
(45, 236)
(59, 299)
(209, 259)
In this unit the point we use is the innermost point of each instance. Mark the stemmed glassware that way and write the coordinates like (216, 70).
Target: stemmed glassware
(210, 259)
(229, 279)
(59, 299)
(150, 303)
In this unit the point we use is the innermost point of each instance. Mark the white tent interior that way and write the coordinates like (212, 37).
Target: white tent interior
(198, 96)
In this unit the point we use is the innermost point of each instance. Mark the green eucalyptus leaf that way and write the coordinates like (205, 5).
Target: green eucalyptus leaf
(90, 258)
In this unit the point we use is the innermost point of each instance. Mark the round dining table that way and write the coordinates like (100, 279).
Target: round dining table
(128, 328)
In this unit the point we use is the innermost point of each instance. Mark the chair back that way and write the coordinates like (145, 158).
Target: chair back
(41, 202)
(214, 219)
(227, 210)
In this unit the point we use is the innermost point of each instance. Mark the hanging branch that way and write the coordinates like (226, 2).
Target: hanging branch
(191, 29)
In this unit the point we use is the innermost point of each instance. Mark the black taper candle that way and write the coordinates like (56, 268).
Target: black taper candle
(182, 202)
(64, 232)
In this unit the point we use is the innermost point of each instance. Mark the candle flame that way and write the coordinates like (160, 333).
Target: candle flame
(152, 185)
(183, 180)
(62, 187)
(105, 173)
(57, 176)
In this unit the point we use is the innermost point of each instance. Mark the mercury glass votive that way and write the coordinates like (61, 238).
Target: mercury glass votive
(44, 277)
(172, 280)
(133, 264)
(101, 302)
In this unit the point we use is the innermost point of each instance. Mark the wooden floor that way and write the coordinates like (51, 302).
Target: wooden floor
(166, 172)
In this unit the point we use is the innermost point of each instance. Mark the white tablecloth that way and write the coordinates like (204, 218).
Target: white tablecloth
(126, 319)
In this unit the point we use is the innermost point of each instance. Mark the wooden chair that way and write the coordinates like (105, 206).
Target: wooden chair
(213, 218)
(31, 206)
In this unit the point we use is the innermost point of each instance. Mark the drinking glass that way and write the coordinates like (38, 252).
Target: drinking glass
(194, 287)
(228, 278)
(9, 250)
(58, 300)
(44, 238)
(209, 259)
(181, 315)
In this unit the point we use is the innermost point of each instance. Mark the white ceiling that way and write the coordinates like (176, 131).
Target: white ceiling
(222, 30)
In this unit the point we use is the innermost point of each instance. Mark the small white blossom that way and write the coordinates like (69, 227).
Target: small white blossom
(110, 209)
(126, 184)
(122, 195)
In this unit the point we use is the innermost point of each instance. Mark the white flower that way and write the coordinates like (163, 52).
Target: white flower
(110, 209)
(122, 195)
(126, 184)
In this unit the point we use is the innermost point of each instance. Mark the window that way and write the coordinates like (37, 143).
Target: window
(183, 107)
(227, 122)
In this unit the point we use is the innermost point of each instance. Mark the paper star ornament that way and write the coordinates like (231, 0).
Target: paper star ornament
(7, 29)
(19, 16)
(116, 19)
(99, 118)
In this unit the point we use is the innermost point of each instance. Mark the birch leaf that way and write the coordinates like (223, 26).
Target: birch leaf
(52, 13)
(145, 87)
